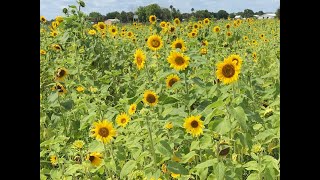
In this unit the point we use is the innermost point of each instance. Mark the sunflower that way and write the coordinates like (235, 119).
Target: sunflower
(122, 119)
(228, 26)
(192, 34)
(171, 79)
(56, 47)
(95, 158)
(168, 125)
(59, 19)
(178, 61)
(54, 160)
(92, 32)
(42, 52)
(103, 131)
(193, 125)
(113, 30)
(172, 29)
(80, 89)
(178, 44)
(227, 71)
(204, 43)
(152, 19)
(229, 34)
(261, 36)
(254, 42)
(54, 33)
(163, 24)
(155, 42)
(130, 34)
(43, 19)
(206, 21)
(203, 51)
(103, 34)
(139, 58)
(78, 144)
(54, 24)
(132, 109)
(150, 97)
(164, 168)
(175, 175)
(176, 21)
(245, 38)
(60, 74)
(237, 59)
(60, 88)
(216, 29)
(254, 56)
(195, 25)
(102, 26)
(266, 40)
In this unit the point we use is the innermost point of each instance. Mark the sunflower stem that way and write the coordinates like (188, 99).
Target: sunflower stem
(152, 145)
(187, 90)
(106, 155)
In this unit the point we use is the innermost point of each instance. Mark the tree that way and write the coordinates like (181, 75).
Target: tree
(232, 15)
(192, 9)
(259, 13)
(96, 16)
(113, 15)
(222, 14)
(248, 13)
(278, 13)
(141, 12)
(153, 9)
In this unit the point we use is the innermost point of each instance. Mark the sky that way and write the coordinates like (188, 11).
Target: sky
(52, 8)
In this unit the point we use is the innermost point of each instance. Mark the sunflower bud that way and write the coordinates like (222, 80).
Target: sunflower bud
(65, 10)
(82, 4)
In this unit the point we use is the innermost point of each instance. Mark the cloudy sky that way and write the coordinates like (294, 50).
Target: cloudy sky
(52, 8)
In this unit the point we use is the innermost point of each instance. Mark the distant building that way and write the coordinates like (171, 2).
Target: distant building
(237, 17)
(112, 21)
(267, 16)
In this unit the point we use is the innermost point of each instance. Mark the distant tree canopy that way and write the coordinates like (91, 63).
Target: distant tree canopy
(278, 13)
(169, 13)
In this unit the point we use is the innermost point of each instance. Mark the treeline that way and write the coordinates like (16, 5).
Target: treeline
(166, 14)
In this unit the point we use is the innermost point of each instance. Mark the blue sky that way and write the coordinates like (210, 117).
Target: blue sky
(52, 8)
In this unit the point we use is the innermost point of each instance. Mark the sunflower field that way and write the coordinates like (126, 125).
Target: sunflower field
(163, 100)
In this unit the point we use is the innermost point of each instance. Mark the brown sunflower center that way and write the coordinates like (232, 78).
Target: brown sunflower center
(179, 61)
(101, 26)
(163, 25)
(113, 30)
(193, 34)
(172, 81)
(155, 43)
(57, 47)
(139, 60)
(61, 73)
(104, 132)
(228, 70)
(194, 124)
(229, 34)
(129, 34)
(151, 98)
(59, 88)
(228, 26)
(153, 18)
(172, 29)
(196, 26)
(91, 158)
(123, 120)
(178, 45)
(206, 21)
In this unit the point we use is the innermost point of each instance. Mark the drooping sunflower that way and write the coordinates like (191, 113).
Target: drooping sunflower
(92, 32)
(103, 131)
(56, 47)
(216, 29)
(155, 42)
(43, 19)
(178, 61)
(176, 21)
(95, 158)
(132, 109)
(152, 19)
(102, 26)
(42, 52)
(122, 119)
(171, 79)
(237, 59)
(139, 58)
(194, 125)
(60, 88)
(113, 30)
(206, 21)
(61, 74)
(59, 19)
(163, 24)
(150, 98)
(227, 71)
(178, 44)
(54, 160)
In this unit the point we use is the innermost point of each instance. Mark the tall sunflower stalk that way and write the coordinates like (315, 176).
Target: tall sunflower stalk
(152, 145)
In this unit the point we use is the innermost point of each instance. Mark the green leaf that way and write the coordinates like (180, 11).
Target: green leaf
(187, 157)
(220, 125)
(203, 173)
(207, 163)
(251, 165)
(53, 97)
(253, 176)
(95, 146)
(73, 168)
(194, 145)
(220, 171)
(239, 114)
(127, 168)
(177, 168)
(68, 104)
(209, 108)
(164, 148)
(205, 142)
